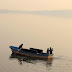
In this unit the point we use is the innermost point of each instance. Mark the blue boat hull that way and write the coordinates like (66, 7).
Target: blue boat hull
(24, 53)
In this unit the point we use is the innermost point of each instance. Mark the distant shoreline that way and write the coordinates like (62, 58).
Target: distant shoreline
(59, 13)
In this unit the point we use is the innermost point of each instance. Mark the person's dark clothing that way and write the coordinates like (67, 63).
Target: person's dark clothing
(50, 50)
(47, 51)
(20, 46)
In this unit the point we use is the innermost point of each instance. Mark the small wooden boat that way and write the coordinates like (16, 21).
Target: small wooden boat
(32, 52)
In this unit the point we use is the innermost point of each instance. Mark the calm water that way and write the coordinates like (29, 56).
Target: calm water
(38, 32)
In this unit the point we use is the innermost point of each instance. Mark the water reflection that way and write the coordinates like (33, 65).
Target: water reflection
(21, 59)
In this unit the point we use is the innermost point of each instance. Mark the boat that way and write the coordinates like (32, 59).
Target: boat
(32, 52)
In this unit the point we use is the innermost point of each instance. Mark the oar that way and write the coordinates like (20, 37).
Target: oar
(18, 51)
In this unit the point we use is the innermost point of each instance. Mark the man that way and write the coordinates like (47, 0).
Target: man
(51, 49)
(20, 47)
(47, 50)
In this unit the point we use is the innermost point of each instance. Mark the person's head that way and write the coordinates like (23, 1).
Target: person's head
(50, 48)
(21, 44)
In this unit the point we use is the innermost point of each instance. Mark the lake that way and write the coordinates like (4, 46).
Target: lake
(35, 31)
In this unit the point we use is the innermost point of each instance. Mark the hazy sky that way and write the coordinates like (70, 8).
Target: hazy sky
(35, 4)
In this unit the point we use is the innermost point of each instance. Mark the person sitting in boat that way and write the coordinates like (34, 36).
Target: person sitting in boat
(20, 47)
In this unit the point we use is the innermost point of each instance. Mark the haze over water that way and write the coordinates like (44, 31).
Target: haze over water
(36, 31)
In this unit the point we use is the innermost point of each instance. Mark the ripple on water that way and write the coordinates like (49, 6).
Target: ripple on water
(26, 64)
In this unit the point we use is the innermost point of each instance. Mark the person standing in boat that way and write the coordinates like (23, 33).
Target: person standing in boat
(20, 47)
(51, 49)
(47, 50)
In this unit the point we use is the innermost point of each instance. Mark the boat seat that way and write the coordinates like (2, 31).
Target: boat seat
(32, 51)
(38, 50)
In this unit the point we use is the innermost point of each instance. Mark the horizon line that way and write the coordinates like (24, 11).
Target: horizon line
(38, 10)
(57, 13)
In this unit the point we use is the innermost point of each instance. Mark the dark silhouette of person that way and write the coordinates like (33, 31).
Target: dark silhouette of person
(20, 46)
(50, 50)
(47, 50)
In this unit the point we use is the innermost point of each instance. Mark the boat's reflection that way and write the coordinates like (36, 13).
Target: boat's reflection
(22, 59)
